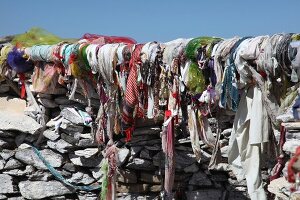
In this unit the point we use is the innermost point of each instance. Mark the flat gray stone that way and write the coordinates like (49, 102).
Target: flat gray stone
(69, 167)
(4, 88)
(87, 196)
(12, 104)
(16, 198)
(72, 115)
(87, 153)
(191, 169)
(51, 134)
(6, 134)
(2, 197)
(147, 131)
(63, 100)
(126, 176)
(29, 157)
(141, 164)
(6, 186)
(72, 139)
(155, 147)
(224, 151)
(70, 128)
(40, 175)
(81, 178)
(184, 159)
(2, 164)
(201, 179)
(18, 122)
(97, 173)
(13, 164)
(18, 172)
(134, 151)
(227, 132)
(123, 155)
(48, 103)
(86, 143)
(7, 154)
(41, 189)
(145, 154)
(60, 145)
(91, 162)
(43, 95)
(4, 144)
(291, 145)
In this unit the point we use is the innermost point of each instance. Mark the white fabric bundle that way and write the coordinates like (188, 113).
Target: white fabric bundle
(107, 60)
(91, 52)
(221, 55)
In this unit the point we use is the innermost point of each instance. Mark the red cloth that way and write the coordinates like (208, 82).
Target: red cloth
(291, 172)
(108, 39)
(22, 79)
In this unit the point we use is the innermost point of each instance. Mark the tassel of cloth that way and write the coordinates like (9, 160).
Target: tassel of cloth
(111, 155)
(132, 93)
(168, 148)
(291, 169)
(277, 169)
(194, 134)
(168, 138)
(22, 80)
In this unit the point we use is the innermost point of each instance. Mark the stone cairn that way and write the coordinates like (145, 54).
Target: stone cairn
(68, 146)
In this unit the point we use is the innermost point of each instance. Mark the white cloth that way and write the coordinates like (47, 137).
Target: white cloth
(250, 132)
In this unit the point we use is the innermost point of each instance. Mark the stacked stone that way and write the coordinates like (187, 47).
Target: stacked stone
(67, 144)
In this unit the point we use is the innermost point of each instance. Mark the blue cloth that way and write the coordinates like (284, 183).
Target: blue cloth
(230, 93)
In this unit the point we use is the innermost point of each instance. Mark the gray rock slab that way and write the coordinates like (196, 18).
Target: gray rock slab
(72, 115)
(60, 145)
(87, 196)
(87, 153)
(91, 162)
(13, 164)
(97, 173)
(141, 164)
(51, 134)
(18, 122)
(19, 172)
(6, 134)
(147, 131)
(123, 154)
(201, 179)
(81, 178)
(191, 169)
(40, 175)
(291, 145)
(2, 164)
(4, 88)
(48, 103)
(70, 128)
(42, 189)
(29, 157)
(145, 154)
(6, 186)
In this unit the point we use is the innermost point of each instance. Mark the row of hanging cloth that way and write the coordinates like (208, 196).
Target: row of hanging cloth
(182, 81)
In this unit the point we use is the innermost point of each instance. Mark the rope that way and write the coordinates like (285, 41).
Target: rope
(58, 176)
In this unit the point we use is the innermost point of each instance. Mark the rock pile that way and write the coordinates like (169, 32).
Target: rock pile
(66, 143)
